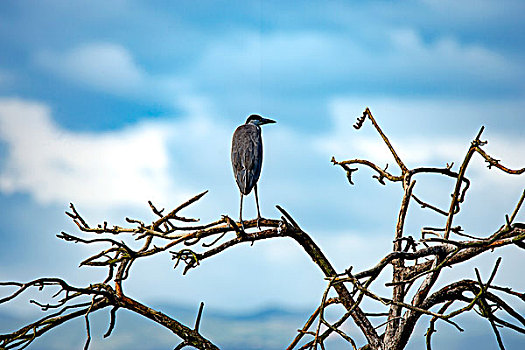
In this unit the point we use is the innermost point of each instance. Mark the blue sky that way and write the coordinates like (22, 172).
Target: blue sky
(109, 105)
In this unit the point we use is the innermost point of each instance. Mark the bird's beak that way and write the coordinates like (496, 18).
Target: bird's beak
(267, 121)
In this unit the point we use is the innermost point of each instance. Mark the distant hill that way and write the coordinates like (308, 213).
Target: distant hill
(270, 328)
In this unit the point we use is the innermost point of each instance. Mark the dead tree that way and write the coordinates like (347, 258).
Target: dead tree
(416, 265)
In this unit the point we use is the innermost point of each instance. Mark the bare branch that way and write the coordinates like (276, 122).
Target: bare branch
(518, 206)
(494, 162)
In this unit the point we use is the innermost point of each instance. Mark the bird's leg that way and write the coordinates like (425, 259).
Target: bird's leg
(240, 216)
(258, 211)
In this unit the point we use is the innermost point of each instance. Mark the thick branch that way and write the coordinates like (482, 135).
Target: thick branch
(346, 299)
(190, 336)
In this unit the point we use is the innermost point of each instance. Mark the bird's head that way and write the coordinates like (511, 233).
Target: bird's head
(258, 120)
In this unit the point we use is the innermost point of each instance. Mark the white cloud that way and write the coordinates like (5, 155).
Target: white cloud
(239, 66)
(282, 252)
(167, 161)
(303, 59)
(56, 165)
(104, 66)
(420, 60)
(361, 249)
(111, 68)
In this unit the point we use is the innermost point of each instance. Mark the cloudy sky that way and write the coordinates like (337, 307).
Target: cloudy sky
(111, 104)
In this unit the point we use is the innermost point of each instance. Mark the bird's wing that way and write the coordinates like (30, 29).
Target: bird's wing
(246, 156)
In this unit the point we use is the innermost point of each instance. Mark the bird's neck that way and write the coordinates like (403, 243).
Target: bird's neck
(254, 123)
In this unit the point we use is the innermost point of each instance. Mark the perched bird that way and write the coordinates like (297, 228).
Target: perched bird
(247, 157)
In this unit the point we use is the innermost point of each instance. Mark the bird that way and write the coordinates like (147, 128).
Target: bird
(247, 157)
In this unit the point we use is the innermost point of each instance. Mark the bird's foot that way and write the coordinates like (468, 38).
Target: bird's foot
(240, 230)
(259, 222)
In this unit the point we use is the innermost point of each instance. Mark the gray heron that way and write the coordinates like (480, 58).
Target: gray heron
(247, 157)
